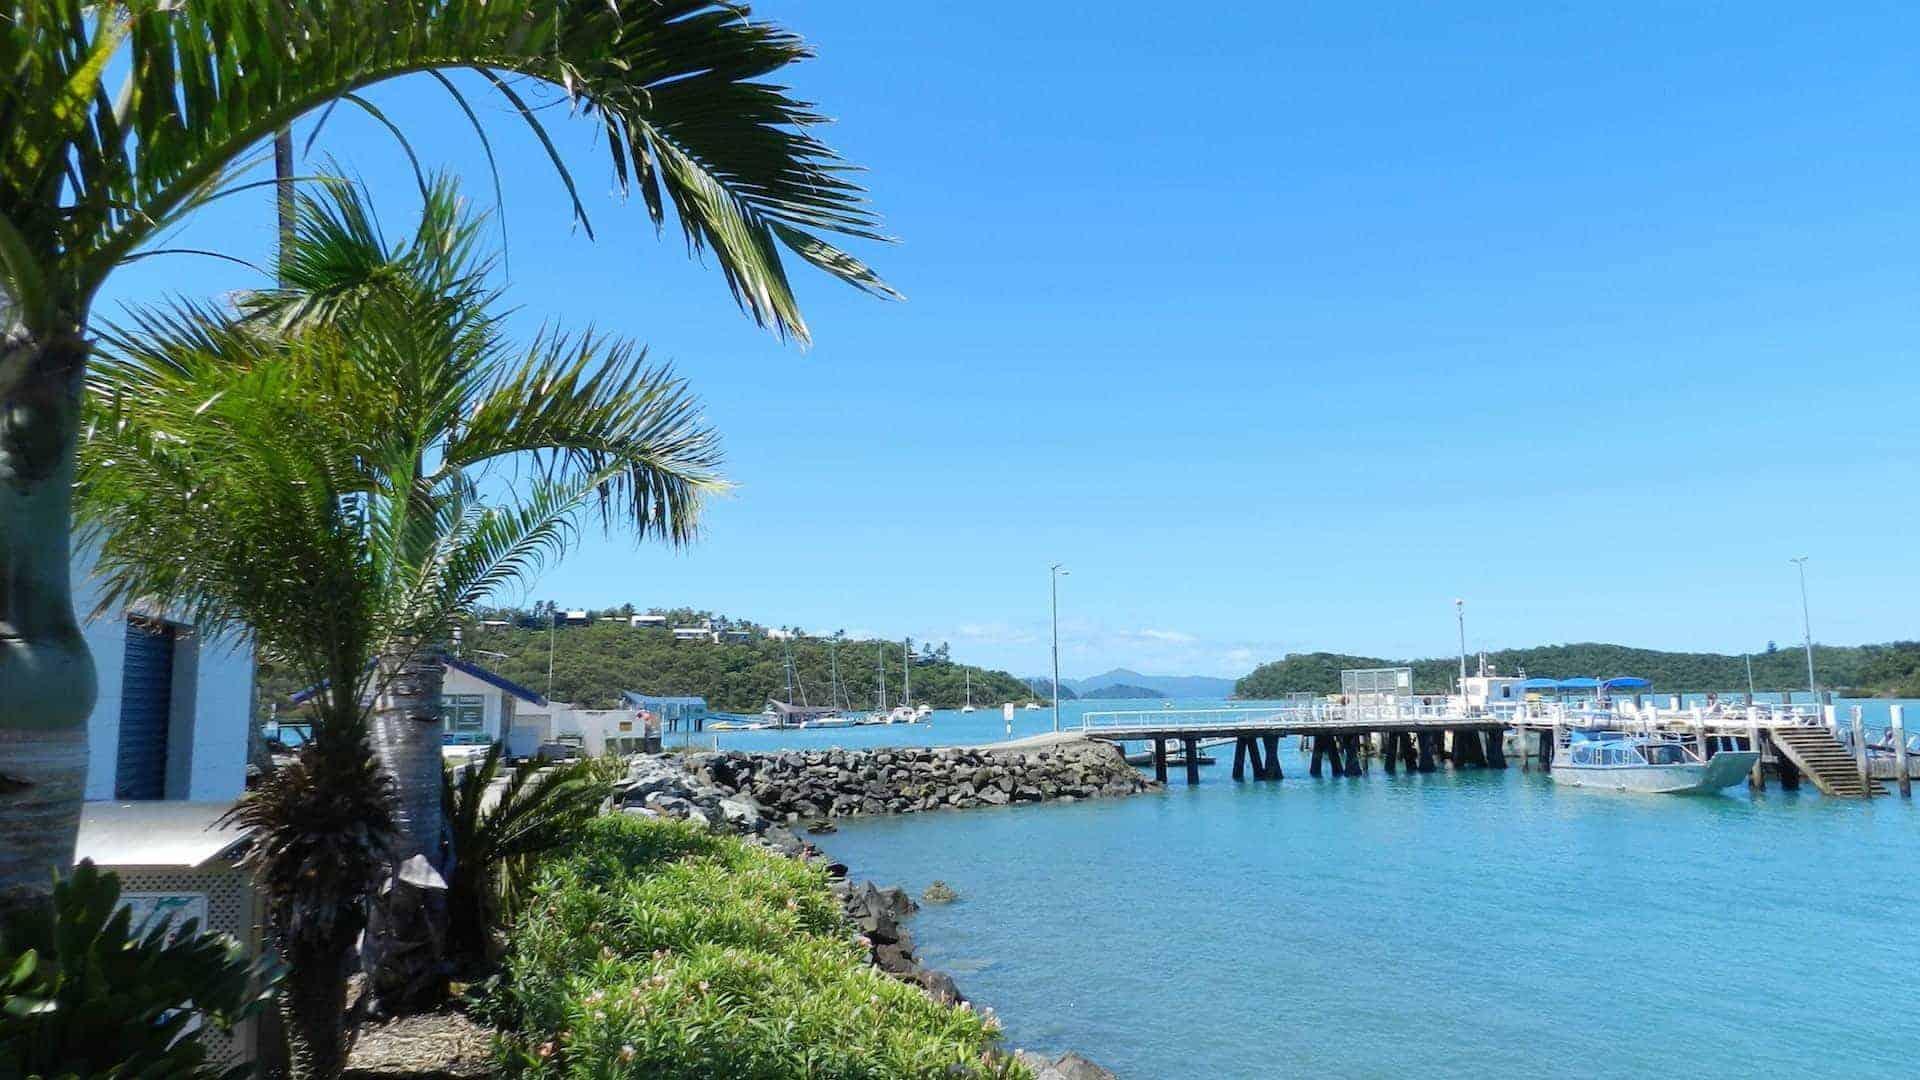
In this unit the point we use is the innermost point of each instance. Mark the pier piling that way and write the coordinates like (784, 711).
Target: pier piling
(1757, 780)
(1160, 760)
(1271, 769)
(1429, 743)
(1192, 746)
(1240, 747)
(1389, 749)
(1349, 745)
(1497, 748)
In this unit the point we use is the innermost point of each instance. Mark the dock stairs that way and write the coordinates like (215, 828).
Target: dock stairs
(1818, 754)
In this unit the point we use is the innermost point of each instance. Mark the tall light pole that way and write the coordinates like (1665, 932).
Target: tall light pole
(1806, 622)
(1055, 573)
(1460, 615)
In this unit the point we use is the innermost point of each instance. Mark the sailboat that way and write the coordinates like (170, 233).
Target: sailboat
(904, 713)
(968, 707)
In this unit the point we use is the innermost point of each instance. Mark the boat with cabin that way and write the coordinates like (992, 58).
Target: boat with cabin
(1650, 762)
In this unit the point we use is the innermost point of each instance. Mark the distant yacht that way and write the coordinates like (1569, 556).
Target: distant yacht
(1034, 706)
(968, 707)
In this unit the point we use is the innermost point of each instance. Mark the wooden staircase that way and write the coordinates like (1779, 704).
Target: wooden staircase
(1819, 755)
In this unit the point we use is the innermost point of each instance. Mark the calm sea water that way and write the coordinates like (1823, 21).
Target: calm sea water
(1483, 923)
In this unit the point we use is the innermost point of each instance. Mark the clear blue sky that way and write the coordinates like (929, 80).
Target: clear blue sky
(1283, 325)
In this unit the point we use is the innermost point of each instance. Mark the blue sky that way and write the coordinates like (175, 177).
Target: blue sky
(1281, 326)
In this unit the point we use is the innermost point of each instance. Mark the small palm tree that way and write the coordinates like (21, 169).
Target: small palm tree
(118, 118)
(445, 401)
(498, 826)
(404, 344)
(243, 514)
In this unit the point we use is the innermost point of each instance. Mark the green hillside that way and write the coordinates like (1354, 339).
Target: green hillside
(1891, 669)
(592, 664)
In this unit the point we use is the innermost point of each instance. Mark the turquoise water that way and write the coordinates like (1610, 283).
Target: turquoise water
(1481, 923)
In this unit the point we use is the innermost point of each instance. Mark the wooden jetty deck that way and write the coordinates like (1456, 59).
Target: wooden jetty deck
(1419, 734)
(1341, 737)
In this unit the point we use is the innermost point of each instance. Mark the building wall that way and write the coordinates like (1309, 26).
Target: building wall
(212, 700)
(522, 724)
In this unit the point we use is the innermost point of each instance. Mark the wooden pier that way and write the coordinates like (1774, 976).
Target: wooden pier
(1343, 740)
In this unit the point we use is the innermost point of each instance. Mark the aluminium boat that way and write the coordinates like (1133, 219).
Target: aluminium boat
(1653, 763)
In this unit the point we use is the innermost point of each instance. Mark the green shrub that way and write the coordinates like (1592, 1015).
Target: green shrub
(658, 949)
(85, 993)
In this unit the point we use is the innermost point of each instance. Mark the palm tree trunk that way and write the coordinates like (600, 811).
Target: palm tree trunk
(46, 676)
(406, 742)
(404, 950)
(313, 1006)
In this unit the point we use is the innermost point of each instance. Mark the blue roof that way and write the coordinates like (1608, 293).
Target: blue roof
(635, 698)
(491, 679)
(1583, 682)
(303, 696)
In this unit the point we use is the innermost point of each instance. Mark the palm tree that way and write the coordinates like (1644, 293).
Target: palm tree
(249, 500)
(244, 473)
(119, 118)
(445, 404)
(406, 345)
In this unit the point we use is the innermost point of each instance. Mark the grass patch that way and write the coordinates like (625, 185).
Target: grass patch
(656, 948)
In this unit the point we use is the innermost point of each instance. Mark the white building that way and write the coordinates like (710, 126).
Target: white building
(479, 707)
(170, 721)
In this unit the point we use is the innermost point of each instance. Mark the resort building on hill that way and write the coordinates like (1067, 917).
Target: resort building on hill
(170, 721)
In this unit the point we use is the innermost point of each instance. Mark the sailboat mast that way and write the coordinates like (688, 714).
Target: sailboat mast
(883, 678)
(906, 674)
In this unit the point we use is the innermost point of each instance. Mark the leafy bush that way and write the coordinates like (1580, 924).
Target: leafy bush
(658, 949)
(85, 993)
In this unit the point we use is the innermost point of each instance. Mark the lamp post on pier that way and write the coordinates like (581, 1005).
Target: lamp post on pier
(1806, 622)
(1055, 573)
(1460, 615)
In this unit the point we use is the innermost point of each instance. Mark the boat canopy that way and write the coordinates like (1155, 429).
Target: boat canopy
(1584, 682)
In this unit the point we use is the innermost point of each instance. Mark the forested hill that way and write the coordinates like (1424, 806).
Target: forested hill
(1891, 669)
(592, 664)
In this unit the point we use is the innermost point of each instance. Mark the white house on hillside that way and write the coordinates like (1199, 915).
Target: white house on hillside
(170, 721)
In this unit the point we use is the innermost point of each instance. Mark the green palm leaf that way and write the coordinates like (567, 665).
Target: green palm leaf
(117, 118)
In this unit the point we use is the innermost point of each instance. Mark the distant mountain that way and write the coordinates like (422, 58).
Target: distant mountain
(1042, 686)
(1173, 686)
(1119, 690)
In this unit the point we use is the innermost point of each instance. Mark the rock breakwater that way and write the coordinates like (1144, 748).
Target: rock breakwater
(811, 784)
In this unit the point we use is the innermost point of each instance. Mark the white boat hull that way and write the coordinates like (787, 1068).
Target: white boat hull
(1719, 772)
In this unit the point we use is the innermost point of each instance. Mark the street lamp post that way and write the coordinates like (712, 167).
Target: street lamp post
(1806, 623)
(1055, 572)
(1460, 616)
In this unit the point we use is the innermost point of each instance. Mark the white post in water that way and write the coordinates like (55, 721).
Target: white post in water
(1806, 623)
(1055, 573)
(1860, 750)
(1901, 774)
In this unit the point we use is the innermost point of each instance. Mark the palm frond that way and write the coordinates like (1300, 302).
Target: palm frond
(90, 172)
(590, 406)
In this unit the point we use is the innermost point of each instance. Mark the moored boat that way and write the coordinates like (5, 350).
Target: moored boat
(1650, 763)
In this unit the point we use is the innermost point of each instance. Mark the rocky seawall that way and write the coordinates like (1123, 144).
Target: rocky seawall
(798, 785)
(762, 796)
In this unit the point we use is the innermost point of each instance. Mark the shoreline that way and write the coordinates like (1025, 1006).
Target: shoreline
(714, 787)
